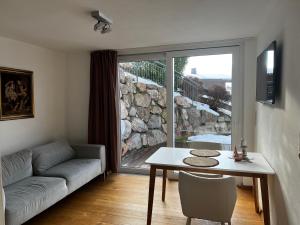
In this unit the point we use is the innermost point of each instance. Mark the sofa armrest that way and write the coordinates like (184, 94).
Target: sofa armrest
(89, 151)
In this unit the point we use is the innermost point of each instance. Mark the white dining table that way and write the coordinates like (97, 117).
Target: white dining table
(170, 158)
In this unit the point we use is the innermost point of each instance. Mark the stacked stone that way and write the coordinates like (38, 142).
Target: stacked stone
(144, 115)
(191, 120)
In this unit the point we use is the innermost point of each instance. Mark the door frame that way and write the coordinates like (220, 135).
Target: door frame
(235, 47)
(136, 58)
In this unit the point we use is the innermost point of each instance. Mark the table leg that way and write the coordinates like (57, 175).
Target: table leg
(265, 199)
(163, 196)
(255, 195)
(151, 194)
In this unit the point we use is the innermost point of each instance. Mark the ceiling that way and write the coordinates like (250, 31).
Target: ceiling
(67, 25)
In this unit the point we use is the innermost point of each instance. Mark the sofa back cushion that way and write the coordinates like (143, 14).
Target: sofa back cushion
(16, 166)
(49, 155)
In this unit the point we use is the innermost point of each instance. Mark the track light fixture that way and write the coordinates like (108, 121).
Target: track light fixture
(104, 23)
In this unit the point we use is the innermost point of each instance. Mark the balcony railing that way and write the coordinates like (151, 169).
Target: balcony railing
(156, 72)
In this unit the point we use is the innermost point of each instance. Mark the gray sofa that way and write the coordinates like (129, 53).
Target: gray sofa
(35, 179)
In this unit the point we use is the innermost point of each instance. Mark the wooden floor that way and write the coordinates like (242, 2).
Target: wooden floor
(122, 200)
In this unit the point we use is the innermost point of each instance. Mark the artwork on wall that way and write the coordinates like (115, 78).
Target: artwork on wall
(16, 94)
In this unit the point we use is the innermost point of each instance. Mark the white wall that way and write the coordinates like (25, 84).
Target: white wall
(50, 73)
(49, 69)
(278, 126)
(78, 97)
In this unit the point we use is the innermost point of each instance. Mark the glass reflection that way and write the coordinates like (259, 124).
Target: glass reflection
(270, 62)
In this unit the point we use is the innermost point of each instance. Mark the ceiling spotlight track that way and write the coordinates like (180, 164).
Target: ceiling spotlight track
(104, 23)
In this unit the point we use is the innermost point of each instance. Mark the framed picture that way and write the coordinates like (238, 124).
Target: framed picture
(16, 94)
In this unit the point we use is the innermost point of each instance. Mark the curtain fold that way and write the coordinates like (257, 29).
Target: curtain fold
(103, 124)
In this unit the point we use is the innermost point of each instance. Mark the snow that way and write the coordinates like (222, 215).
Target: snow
(205, 107)
(227, 103)
(225, 111)
(199, 105)
(176, 94)
(212, 138)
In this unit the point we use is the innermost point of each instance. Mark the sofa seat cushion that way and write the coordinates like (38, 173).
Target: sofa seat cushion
(77, 172)
(31, 196)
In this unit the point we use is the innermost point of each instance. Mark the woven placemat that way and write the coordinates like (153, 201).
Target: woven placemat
(205, 153)
(201, 161)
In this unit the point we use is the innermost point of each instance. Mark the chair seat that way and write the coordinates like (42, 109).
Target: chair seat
(77, 172)
(31, 196)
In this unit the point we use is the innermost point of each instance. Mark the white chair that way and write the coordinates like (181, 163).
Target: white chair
(204, 145)
(209, 198)
(208, 145)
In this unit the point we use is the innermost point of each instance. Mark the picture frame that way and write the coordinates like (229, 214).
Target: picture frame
(16, 94)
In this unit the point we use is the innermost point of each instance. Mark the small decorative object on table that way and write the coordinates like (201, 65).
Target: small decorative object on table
(244, 147)
(237, 156)
(243, 155)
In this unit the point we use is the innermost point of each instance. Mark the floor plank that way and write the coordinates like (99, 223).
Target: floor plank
(122, 200)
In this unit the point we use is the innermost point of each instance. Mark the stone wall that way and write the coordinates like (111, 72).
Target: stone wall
(194, 121)
(144, 115)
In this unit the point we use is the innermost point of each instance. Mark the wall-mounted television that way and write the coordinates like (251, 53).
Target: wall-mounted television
(267, 75)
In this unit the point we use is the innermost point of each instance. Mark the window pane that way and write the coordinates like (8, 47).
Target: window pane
(202, 101)
(143, 111)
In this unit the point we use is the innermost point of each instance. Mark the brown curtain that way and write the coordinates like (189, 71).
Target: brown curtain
(104, 105)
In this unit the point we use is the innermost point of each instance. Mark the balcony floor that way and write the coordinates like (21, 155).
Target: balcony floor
(135, 159)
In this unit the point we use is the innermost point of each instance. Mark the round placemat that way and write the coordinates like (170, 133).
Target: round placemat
(201, 161)
(205, 153)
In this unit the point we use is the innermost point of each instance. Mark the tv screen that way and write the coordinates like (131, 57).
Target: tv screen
(266, 75)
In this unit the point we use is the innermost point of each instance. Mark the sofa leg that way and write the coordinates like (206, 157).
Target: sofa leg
(102, 177)
(188, 221)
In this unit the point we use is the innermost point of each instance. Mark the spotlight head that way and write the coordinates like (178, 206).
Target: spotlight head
(106, 28)
(103, 24)
(98, 26)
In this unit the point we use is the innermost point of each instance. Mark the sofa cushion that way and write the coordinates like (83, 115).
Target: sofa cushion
(31, 196)
(49, 155)
(16, 166)
(77, 172)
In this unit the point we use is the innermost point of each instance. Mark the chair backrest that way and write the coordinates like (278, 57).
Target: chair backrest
(207, 198)
(204, 145)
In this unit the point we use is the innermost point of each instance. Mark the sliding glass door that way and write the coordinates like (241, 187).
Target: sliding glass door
(205, 107)
(189, 98)
(143, 111)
